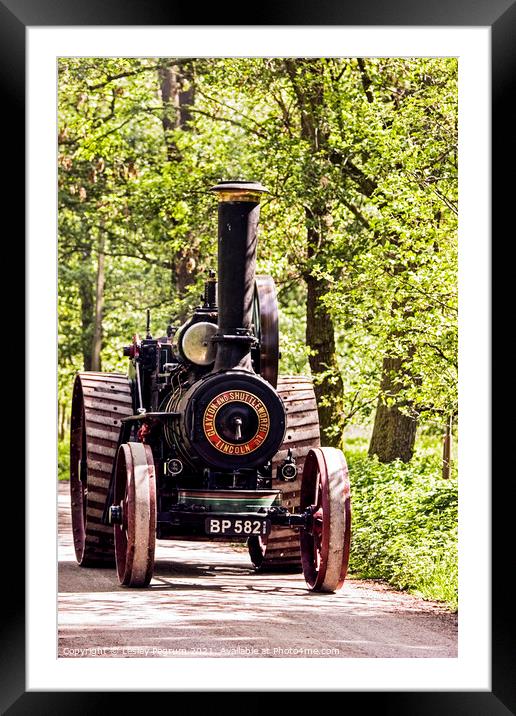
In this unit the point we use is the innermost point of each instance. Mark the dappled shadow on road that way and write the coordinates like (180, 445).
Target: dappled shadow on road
(236, 577)
(208, 598)
(181, 576)
(199, 594)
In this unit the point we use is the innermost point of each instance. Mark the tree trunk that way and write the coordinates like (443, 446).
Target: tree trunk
(96, 345)
(87, 309)
(447, 443)
(178, 95)
(61, 411)
(394, 432)
(307, 78)
(328, 386)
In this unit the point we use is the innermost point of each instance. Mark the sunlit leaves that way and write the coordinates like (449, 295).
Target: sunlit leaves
(385, 171)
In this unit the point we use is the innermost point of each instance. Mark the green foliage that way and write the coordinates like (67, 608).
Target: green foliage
(380, 188)
(405, 523)
(63, 459)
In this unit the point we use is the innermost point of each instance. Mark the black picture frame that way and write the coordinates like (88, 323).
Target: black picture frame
(15, 17)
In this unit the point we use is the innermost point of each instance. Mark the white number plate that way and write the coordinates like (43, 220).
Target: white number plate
(237, 526)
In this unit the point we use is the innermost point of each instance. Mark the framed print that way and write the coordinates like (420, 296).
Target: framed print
(33, 37)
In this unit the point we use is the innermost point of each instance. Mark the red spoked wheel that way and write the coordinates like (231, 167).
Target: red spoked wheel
(135, 498)
(325, 543)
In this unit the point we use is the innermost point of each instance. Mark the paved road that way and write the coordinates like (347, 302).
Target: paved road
(205, 600)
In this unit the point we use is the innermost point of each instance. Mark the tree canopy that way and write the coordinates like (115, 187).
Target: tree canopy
(359, 230)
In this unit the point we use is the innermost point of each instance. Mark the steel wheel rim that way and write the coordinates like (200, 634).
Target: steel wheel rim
(325, 545)
(314, 544)
(78, 489)
(123, 464)
(135, 493)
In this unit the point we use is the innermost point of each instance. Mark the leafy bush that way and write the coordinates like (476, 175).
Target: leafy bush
(405, 524)
(63, 459)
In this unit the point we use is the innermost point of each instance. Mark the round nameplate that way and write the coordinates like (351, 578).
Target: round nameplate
(236, 422)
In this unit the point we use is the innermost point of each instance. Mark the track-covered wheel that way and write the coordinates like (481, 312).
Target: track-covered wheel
(135, 498)
(100, 401)
(325, 544)
(280, 552)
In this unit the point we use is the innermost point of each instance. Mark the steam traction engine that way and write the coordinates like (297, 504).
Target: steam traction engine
(203, 440)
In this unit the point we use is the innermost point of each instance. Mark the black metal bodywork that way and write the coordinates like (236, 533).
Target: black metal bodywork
(213, 423)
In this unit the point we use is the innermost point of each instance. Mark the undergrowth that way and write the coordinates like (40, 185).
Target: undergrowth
(404, 522)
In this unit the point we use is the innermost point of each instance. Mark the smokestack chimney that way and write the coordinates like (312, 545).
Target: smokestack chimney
(239, 212)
